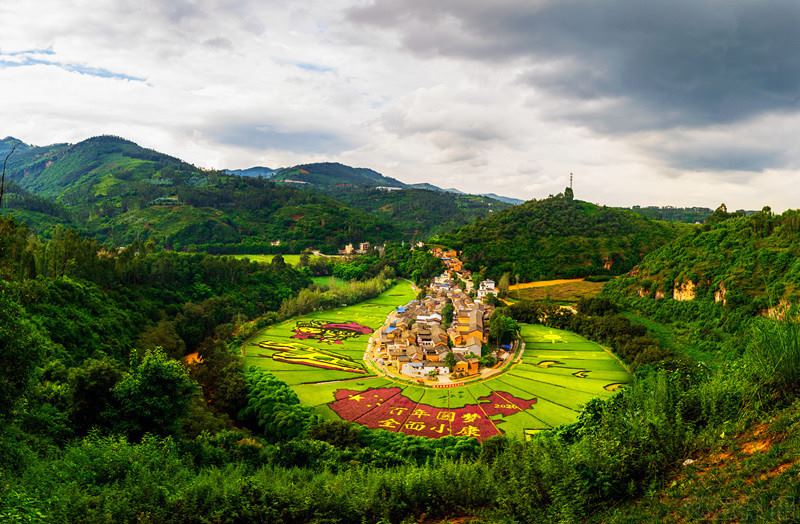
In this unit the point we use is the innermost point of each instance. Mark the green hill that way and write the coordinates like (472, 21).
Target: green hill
(558, 237)
(419, 213)
(333, 174)
(735, 261)
(118, 191)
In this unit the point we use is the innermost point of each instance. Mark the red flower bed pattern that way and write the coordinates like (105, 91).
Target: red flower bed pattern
(389, 409)
(330, 332)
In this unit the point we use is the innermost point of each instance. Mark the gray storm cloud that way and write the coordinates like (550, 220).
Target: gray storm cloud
(625, 66)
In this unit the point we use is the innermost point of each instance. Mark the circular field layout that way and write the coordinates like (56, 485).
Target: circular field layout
(321, 357)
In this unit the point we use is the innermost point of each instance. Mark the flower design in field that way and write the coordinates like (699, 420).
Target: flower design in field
(296, 353)
(329, 331)
(389, 409)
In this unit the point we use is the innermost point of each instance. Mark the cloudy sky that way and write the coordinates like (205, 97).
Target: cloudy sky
(682, 102)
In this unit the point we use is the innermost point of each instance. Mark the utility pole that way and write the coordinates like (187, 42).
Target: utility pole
(570, 180)
(3, 179)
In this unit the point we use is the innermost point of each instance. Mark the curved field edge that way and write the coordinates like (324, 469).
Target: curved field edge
(560, 370)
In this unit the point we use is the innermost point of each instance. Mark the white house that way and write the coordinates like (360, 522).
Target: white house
(486, 288)
(423, 369)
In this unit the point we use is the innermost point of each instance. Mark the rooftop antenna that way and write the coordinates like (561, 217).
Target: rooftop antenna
(3, 179)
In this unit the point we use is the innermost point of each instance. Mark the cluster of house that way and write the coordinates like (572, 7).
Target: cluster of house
(350, 249)
(415, 342)
(450, 259)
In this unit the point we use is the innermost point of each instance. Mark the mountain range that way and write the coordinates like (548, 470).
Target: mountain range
(117, 191)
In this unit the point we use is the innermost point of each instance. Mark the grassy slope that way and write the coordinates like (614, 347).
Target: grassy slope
(750, 477)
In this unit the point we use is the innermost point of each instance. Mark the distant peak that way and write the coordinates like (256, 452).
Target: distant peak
(107, 139)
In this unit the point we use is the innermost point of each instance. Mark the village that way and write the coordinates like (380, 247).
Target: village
(442, 336)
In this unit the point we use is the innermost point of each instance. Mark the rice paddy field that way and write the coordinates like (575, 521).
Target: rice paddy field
(320, 357)
(291, 259)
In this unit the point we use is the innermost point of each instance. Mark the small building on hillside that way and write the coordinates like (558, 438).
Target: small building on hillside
(486, 288)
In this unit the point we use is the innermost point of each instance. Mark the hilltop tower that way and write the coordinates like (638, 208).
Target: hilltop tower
(568, 194)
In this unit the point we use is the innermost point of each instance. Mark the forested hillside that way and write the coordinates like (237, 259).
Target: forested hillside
(558, 237)
(419, 213)
(333, 174)
(119, 192)
(748, 264)
(415, 210)
(123, 397)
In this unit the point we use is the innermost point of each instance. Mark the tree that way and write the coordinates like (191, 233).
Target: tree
(154, 395)
(450, 360)
(163, 334)
(502, 329)
(278, 262)
(719, 214)
(447, 315)
(21, 349)
(504, 283)
(91, 385)
(274, 408)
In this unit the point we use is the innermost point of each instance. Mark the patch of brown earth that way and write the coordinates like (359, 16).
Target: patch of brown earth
(756, 446)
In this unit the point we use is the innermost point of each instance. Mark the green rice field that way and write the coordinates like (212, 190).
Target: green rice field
(558, 373)
(291, 259)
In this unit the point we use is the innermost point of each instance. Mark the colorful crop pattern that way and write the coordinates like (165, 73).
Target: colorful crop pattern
(330, 332)
(389, 409)
(295, 353)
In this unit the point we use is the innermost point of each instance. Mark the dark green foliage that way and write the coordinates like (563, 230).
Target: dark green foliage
(447, 314)
(84, 441)
(333, 174)
(274, 408)
(450, 360)
(502, 328)
(417, 264)
(690, 215)
(420, 213)
(91, 386)
(21, 348)
(557, 237)
(153, 396)
(596, 306)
